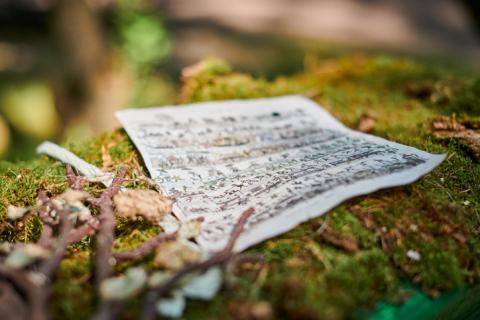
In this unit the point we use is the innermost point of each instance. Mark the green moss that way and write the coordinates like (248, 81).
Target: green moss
(307, 275)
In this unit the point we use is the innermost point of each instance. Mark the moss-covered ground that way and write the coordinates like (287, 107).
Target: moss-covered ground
(334, 265)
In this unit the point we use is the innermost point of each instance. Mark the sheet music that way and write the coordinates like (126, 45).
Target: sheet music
(286, 157)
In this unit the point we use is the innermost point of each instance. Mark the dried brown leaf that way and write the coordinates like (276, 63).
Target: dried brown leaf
(345, 242)
(146, 204)
(250, 310)
(366, 123)
(175, 255)
(190, 229)
(449, 128)
(72, 196)
(107, 162)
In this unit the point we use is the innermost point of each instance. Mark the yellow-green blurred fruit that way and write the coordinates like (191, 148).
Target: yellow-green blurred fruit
(4, 136)
(31, 109)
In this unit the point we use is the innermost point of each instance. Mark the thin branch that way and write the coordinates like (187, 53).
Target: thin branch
(219, 258)
(75, 182)
(87, 229)
(46, 239)
(113, 189)
(237, 231)
(25, 290)
(45, 207)
(51, 265)
(105, 235)
(146, 248)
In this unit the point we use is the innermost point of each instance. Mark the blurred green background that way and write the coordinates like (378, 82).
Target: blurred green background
(67, 65)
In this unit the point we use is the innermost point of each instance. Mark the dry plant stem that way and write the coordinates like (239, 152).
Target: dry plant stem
(38, 294)
(105, 226)
(219, 258)
(243, 259)
(75, 182)
(87, 229)
(145, 249)
(50, 265)
(104, 242)
(105, 235)
(238, 229)
(108, 310)
(91, 226)
(41, 295)
(45, 239)
(47, 229)
(34, 296)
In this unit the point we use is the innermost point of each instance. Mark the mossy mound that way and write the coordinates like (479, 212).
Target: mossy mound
(334, 265)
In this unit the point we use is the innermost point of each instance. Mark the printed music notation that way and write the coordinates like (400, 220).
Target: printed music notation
(286, 157)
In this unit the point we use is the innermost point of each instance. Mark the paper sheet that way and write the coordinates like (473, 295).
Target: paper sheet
(286, 157)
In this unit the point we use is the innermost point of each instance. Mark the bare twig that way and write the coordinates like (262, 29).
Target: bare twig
(75, 182)
(50, 265)
(219, 258)
(36, 293)
(237, 231)
(103, 246)
(22, 289)
(87, 229)
(146, 248)
(105, 235)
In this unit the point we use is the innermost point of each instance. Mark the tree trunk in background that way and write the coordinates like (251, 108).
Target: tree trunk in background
(91, 85)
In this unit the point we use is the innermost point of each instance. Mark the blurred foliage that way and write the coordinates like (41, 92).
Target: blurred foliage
(30, 108)
(143, 38)
(67, 84)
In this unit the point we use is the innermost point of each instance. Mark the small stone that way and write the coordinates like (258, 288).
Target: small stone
(124, 286)
(172, 307)
(204, 286)
(414, 255)
(23, 256)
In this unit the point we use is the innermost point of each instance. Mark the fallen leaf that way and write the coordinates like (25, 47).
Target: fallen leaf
(295, 262)
(174, 255)
(71, 196)
(390, 239)
(460, 237)
(107, 162)
(190, 229)
(447, 128)
(366, 123)
(157, 278)
(250, 310)
(146, 204)
(345, 242)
